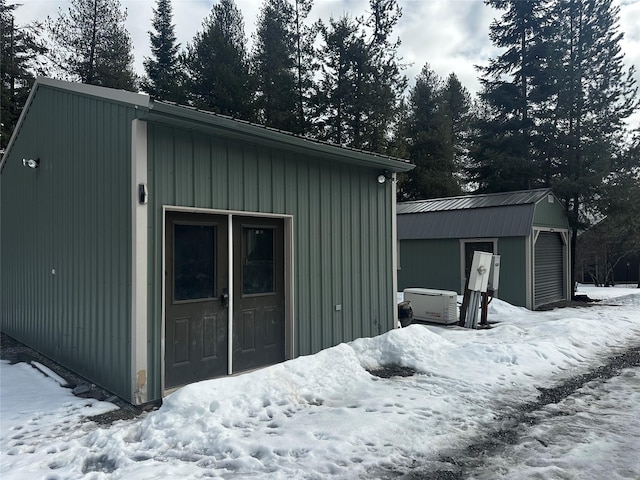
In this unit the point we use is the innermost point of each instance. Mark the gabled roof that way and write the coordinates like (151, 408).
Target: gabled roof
(522, 197)
(178, 115)
(508, 214)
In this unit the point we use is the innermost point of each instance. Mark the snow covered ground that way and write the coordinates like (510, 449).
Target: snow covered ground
(326, 416)
(592, 434)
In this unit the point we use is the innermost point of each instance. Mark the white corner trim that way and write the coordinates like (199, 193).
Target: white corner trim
(528, 268)
(231, 293)
(139, 267)
(394, 249)
(289, 272)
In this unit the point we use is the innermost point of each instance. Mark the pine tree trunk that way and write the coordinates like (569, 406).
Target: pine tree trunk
(92, 51)
(301, 119)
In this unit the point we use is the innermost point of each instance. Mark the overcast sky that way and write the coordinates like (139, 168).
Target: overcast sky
(451, 35)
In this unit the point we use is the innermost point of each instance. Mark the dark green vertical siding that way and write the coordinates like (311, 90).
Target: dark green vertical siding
(436, 264)
(430, 264)
(341, 228)
(549, 214)
(73, 214)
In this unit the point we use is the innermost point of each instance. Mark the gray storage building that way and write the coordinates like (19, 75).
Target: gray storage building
(147, 245)
(528, 229)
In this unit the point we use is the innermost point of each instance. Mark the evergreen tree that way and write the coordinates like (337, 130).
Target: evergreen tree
(507, 160)
(494, 165)
(93, 45)
(163, 70)
(385, 84)
(430, 138)
(305, 64)
(339, 96)
(274, 60)
(620, 203)
(616, 238)
(19, 64)
(594, 95)
(361, 84)
(457, 113)
(556, 101)
(217, 64)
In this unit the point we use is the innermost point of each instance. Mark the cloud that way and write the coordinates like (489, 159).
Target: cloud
(451, 35)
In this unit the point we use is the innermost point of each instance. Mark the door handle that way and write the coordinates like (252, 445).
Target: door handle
(224, 298)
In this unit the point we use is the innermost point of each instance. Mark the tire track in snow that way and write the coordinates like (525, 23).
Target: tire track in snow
(460, 464)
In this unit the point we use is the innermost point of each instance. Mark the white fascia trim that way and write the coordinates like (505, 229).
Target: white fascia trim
(139, 266)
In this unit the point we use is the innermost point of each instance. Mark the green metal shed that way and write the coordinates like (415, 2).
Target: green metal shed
(147, 245)
(529, 230)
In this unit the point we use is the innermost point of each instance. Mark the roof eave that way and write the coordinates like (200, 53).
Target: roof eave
(176, 114)
(122, 96)
(181, 115)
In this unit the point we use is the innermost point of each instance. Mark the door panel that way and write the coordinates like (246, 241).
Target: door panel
(271, 318)
(181, 337)
(214, 334)
(247, 340)
(196, 328)
(259, 299)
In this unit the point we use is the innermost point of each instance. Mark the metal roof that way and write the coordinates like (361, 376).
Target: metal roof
(178, 115)
(190, 117)
(522, 197)
(487, 222)
(508, 214)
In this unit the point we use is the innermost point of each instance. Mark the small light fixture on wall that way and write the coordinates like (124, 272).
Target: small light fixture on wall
(31, 163)
(143, 194)
(384, 176)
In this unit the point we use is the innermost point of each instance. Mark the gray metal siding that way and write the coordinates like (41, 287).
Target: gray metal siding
(71, 215)
(510, 221)
(341, 221)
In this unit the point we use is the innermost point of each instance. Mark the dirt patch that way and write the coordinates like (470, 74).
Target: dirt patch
(577, 301)
(390, 371)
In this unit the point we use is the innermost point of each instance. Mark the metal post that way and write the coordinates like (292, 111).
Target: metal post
(465, 303)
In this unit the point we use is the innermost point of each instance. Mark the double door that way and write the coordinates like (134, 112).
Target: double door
(224, 295)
